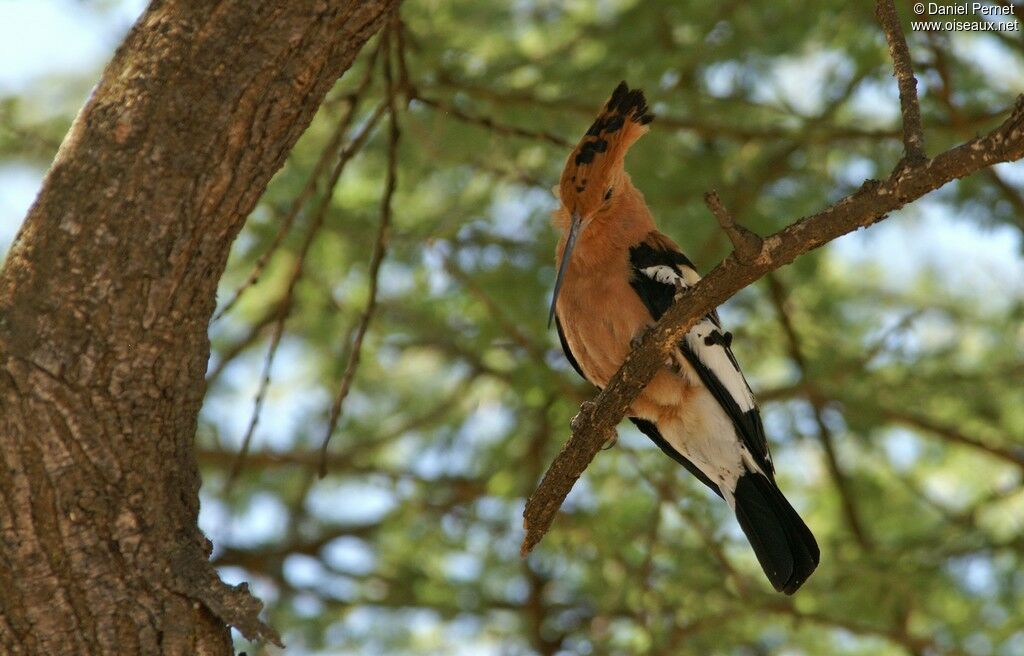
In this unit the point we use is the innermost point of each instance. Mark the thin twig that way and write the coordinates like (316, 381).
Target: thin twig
(379, 250)
(812, 131)
(289, 295)
(814, 398)
(914, 644)
(595, 424)
(398, 28)
(488, 122)
(746, 244)
(1013, 455)
(913, 133)
(945, 95)
(772, 165)
(228, 354)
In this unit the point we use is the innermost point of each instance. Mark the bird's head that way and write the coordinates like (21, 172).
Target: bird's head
(594, 181)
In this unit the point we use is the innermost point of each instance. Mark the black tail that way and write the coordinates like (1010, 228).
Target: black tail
(782, 542)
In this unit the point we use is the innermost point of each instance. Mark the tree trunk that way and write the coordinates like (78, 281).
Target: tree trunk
(105, 300)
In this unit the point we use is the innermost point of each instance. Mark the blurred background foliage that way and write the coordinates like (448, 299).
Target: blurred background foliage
(889, 364)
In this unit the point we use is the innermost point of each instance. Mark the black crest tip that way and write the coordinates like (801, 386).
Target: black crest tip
(625, 104)
(620, 92)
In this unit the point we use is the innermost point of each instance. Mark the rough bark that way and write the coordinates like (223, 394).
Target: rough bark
(105, 300)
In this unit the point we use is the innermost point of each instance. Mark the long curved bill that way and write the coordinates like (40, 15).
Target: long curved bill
(570, 243)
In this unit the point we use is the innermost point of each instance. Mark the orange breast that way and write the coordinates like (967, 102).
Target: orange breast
(600, 314)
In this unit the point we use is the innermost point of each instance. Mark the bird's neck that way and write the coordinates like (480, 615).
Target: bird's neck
(611, 234)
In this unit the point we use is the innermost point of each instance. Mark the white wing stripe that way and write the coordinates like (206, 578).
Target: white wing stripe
(713, 356)
(664, 274)
(670, 275)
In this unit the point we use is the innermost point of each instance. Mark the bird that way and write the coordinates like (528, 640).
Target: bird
(616, 276)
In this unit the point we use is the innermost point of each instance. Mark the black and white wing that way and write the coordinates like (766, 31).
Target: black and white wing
(659, 272)
(784, 546)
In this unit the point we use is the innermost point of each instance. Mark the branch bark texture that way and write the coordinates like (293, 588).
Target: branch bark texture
(595, 424)
(903, 69)
(105, 300)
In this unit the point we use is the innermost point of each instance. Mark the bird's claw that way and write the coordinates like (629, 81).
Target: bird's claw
(585, 408)
(639, 337)
(680, 288)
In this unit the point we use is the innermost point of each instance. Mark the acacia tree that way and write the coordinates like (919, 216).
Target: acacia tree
(618, 574)
(105, 299)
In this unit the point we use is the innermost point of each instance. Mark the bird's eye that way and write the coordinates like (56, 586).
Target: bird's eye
(608, 194)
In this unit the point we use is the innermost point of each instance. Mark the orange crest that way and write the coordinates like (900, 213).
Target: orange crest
(601, 153)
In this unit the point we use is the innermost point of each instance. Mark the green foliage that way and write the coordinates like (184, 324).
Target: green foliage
(907, 356)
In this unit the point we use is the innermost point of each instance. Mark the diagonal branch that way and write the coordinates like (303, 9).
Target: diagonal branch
(1010, 454)
(913, 133)
(379, 250)
(596, 421)
(849, 508)
(487, 122)
(288, 299)
(746, 243)
(945, 94)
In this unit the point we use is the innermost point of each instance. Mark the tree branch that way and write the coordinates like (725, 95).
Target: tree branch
(1011, 454)
(487, 122)
(102, 384)
(746, 244)
(288, 300)
(814, 399)
(596, 421)
(379, 250)
(913, 133)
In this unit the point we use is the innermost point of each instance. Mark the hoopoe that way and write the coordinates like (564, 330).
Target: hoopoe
(616, 276)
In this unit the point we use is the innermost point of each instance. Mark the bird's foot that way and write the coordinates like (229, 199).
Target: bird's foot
(587, 407)
(639, 337)
(681, 287)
